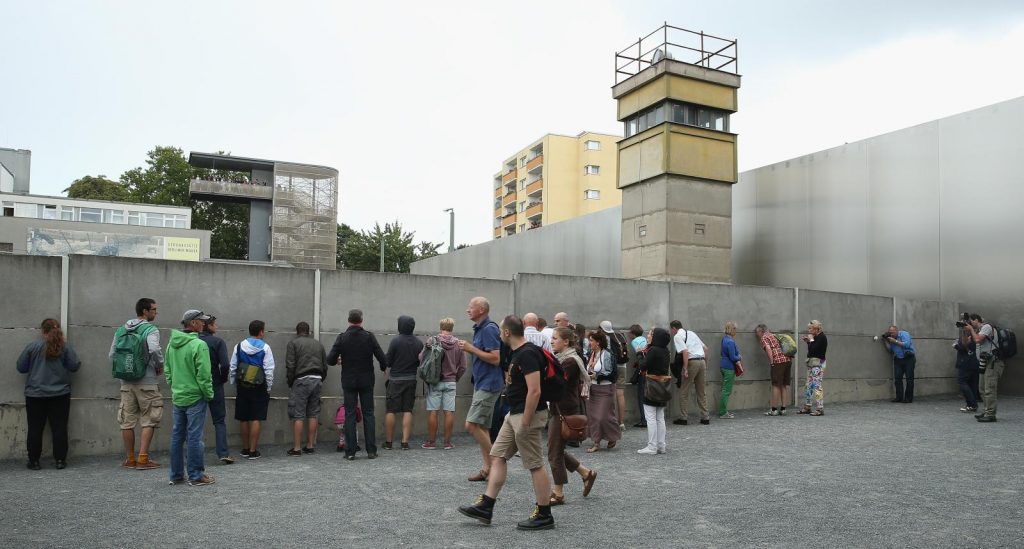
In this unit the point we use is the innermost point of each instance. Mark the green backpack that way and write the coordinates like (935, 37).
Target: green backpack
(129, 360)
(430, 366)
(788, 344)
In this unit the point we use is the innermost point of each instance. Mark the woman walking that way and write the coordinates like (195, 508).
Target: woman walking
(601, 367)
(562, 463)
(730, 360)
(48, 361)
(817, 344)
(656, 371)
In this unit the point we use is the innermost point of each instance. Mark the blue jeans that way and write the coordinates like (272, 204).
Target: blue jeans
(188, 421)
(217, 415)
(967, 378)
(364, 396)
(904, 367)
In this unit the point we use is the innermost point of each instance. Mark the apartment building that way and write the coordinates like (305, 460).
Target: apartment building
(555, 178)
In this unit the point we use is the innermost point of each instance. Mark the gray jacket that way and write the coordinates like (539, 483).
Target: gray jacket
(47, 377)
(305, 356)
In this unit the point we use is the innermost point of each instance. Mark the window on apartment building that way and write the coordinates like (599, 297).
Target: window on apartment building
(522, 162)
(90, 215)
(522, 206)
(591, 169)
(591, 194)
(522, 184)
(47, 211)
(134, 218)
(67, 213)
(25, 210)
(592, 145)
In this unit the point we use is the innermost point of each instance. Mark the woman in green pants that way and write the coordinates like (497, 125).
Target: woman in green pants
(730, 359)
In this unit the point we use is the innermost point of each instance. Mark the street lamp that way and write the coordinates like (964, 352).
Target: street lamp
(451, 229)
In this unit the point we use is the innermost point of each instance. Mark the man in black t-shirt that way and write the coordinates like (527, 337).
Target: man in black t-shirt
(521, 431)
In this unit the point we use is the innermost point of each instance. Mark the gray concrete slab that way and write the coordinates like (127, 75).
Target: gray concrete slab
(869, 474)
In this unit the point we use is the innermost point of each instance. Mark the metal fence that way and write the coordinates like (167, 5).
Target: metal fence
(685, 46)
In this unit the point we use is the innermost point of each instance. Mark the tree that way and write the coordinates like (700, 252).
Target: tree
(345, 233)
(362, 250)
(98, 188)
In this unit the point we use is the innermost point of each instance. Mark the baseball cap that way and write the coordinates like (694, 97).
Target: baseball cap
(606, 327)
(193, 314)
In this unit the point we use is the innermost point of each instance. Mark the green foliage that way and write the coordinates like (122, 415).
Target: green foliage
(345, 233)
(98, 188)
(361, 251)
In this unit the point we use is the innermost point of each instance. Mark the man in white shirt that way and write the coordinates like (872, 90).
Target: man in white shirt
(535, 336)
(691, 361)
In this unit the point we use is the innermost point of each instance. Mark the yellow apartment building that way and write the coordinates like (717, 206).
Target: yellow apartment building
(557, 177)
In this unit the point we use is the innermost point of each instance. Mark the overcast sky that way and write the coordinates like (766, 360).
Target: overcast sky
(418, 103)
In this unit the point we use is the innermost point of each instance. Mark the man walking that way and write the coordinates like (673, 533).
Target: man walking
(780, 369)
(692, 370)
(520, 432)
(534, 334)
(355, 349)
(402, 361)
(898, 343)
(220, 366)
(188, 374)
(488, 381)
(141, 401)
(305, 371)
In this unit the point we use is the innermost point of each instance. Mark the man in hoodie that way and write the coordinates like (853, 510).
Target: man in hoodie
(441, 395)
(355, 349)
(141, 401)
(189, 376)
(219, 366)
(306, 368)
(253, 395)
(403, 358)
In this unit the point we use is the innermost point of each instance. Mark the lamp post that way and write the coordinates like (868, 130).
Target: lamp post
(451, 229)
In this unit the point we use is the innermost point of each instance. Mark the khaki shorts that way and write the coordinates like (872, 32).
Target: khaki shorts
(140, 405)
(514, 437)
(481, 410)
(781, 374)
(623, 376)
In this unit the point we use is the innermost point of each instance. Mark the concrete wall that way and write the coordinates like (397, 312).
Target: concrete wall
(102, 292)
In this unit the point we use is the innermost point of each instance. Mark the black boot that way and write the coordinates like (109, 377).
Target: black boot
(540, 519)
(481, 510)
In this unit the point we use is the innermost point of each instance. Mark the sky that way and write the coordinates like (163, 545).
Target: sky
(418, 104)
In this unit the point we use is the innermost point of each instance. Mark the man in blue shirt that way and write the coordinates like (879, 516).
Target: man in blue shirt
(488, 378)
(898, 343)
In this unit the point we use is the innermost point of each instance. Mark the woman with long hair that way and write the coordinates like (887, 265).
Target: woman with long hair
(562, 463)
(656, 371)
(601, 367)
(48, 361)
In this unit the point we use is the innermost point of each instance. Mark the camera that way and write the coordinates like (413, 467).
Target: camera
(983, 360)
(964, 321)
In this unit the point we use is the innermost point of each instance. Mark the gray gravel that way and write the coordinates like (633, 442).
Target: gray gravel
(870, 474)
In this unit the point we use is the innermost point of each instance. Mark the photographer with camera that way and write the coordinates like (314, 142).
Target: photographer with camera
(898, 343)
(989, 364)
(967, 366)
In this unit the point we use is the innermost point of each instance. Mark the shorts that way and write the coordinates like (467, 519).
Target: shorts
(441, 396)
(251, 404)
(401, 396)
(513, 438)
(304, 400)
(140, 405)
(481, 410)
(620, 381)
(782, 374)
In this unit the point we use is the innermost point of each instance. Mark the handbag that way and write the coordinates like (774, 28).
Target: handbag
(574, 427)
(658, 391)
(739, 369)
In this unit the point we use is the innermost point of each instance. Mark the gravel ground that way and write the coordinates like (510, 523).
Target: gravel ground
(869, 474)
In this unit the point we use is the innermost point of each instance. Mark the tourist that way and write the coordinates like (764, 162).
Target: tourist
(488, 381)
(220, 366)
(730, 363)
(638, 343)
(899, 343)
(562, 463)
(602, 422)
(441, 395)
(252, 370)
(355, 349)
(48, 361)
(967, 370)
(190, 379)
(781, 368)
(305, 371)
(656, 371)
(691, 369)
(817, 345)
(402, 362)
(534, 334)
(141, 402)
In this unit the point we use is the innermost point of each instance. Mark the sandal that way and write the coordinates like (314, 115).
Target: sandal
(480, 477)
(611, 444)
(818, 413)
(593, 448)
(588, 482)
(804, 411)
(556, 499)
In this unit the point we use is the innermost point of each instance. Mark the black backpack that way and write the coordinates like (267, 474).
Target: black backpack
(553, 379)
(1005, 343)
(619, 348)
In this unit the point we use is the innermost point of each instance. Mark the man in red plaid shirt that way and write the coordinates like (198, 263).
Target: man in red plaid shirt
(781, 371)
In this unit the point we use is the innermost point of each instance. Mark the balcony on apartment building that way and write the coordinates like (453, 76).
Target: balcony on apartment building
(535, 162)
(508, 199)
(534, 187)
(534, 210)
(214, 189)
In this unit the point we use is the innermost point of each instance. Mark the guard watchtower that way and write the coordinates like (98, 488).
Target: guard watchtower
(675, 90)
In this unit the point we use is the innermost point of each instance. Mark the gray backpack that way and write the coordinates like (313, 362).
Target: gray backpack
(430, 365)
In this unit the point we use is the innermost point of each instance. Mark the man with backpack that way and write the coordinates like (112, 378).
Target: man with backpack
(781, 366)
(189, 376)
(402, 361)
(137, 361)
(690, 368)
(990, 364)
(442, 364)
(252, 369)
(219, 366)
(624, 356)
(305, 371)
(521, 430)
(355, 349)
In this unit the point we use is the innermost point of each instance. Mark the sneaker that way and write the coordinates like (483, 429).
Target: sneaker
(145, 465)
(227, 460)
(350, 457)
(387, 446)
(662, 449)
(293, 452)
(772, 413)
(428, 445)
(176, 481)
(371, 455)
(782, 411)
(449, 446)
(647, 450)
(705, 422)
(405, 445)
(60, 464)
(34, 465)
(969, 409)
(537, 521)
(477, 511)
(987, 419)
(730, 415)
(680, 422)
(308, 450)
(254, 454)
(129, 464)
(204, 480)
(244, 453)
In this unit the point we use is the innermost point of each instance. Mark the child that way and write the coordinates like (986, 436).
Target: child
(339, 422)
